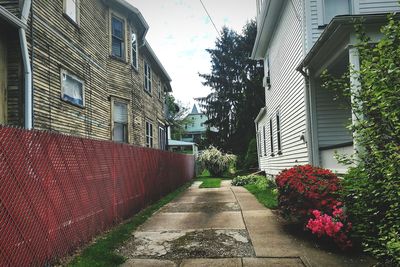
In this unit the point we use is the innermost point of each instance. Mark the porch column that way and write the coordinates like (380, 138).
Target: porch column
(355, 85)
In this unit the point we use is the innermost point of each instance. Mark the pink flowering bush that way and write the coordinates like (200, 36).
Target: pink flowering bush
(335, 227)
(303, 189)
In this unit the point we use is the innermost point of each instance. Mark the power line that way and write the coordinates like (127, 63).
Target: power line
(209, 16)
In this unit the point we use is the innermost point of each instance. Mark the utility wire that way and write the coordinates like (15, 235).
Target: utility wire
(209, 16)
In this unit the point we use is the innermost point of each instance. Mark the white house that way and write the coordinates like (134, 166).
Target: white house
(298, 39)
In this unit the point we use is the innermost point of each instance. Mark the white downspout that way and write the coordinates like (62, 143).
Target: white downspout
(28, 111)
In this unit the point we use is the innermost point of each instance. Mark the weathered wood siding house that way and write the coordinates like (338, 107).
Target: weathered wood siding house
(93, 72)
(297, 39)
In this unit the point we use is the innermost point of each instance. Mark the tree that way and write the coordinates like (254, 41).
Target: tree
(176, 114)
(236, 94)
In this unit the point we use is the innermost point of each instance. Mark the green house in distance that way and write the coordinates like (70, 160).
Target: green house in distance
(196, 127)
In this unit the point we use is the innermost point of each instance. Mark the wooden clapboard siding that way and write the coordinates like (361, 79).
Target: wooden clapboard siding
(11, 5)
(286, 95)
(84, 50)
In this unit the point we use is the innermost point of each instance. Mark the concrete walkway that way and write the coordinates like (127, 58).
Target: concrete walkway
(223, 227)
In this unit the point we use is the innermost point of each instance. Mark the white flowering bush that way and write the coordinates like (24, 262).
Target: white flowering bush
(215, 161)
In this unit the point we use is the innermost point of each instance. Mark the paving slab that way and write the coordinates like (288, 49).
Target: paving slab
(148, 263)
(211, 197)
(273, 262)
(234, 262)
(248, 202)
(226, 183)
(163, 221)
(202, 207)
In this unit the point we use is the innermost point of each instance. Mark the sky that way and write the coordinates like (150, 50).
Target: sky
(180, 32)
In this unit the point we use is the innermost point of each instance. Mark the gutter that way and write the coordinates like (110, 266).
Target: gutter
(28, 107)
(9, 17)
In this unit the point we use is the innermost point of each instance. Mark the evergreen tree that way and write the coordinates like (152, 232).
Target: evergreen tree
(237, 94)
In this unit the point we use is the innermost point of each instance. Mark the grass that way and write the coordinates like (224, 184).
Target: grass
(101, 252)
(210, 182)
(267, 197)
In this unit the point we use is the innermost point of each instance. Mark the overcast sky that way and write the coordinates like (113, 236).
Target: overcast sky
(180, 31)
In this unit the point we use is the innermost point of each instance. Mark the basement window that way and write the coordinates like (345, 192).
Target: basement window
(71, 10)
(72, 89)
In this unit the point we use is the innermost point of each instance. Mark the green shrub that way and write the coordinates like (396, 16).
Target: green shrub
(372, 188)
(216, 162)
(248, 179)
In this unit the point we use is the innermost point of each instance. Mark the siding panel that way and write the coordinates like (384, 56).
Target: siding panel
(287, 92)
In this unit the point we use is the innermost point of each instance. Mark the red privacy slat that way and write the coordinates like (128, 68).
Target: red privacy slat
(57, 192)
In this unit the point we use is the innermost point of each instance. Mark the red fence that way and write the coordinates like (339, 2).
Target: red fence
(57, 192)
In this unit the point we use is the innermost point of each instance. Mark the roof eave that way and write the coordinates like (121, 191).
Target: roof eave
(262, 112)
(11, 18)
(269, 16)
(330, 29)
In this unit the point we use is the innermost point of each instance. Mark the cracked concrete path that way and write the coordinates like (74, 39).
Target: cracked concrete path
(224, 226)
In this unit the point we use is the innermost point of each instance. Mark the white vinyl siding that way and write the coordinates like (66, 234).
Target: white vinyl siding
(333, 116)
(287, 91)
(357, 7)
(376, 6)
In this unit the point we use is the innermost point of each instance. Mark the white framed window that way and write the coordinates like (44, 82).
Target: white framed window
(161, 138)
(117, 37)
(147, 77)
(328, 9)
(278, 133)
(72, 89)
(120, 120)
(159, 90)
(149, 134)
(135, 51)
(71, 10)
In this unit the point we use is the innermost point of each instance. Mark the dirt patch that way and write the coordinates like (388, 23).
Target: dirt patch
(202, 207)
(192, 244)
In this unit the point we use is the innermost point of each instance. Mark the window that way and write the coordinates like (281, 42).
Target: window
(120, 121)
(161, 138)
(328, 9)
(159, 90)
(271, 137)
(265, 141)
(149, 134)
(71, 10)
(278, 133)
(147, 77)
(134, 44)
(72, 89)
(117, 32)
